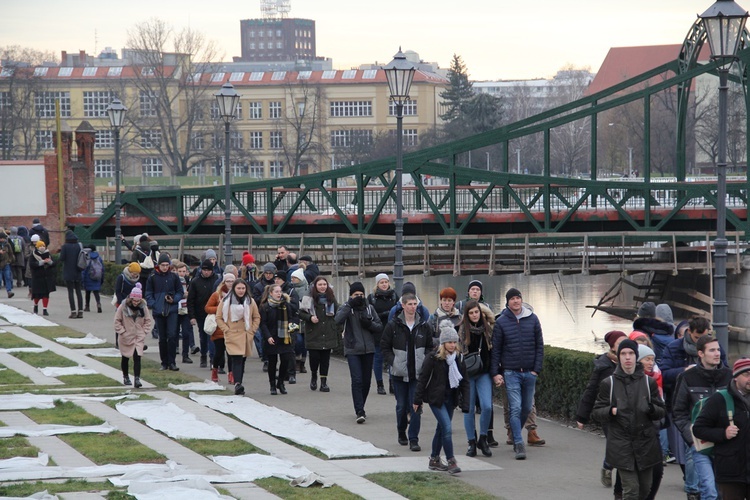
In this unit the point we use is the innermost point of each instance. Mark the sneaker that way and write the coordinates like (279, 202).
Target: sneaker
(10, 295)
(402, 439)
(414, 445)
(437, 464)
(668, 458)
(361, 417)
(187, 360)
(520, 450)
(173, 368)
(239, 390)
(126, 381)
(453, 467)
(195, 350)
(693, 496)
(137, 383)
(606, 477)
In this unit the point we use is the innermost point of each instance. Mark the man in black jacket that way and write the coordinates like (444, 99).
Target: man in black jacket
(695, 383)
(201, 288)
(730, 433)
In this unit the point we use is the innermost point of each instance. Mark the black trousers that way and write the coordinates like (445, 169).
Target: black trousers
(319, 358)
(284, 360)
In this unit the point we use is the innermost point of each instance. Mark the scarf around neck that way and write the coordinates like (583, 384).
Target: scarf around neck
(328, 307)
(282, 319)
(454, 375)
(234, 310)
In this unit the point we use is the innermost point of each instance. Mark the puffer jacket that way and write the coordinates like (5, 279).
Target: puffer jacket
(692, 386)
(361, 327)
(433, 384)
(7, 257)
(383, 302)
(603, 368)
(633, 437)
(405, 350)
(88, 282)
(325, 333)
(158, 286)
(517, 343)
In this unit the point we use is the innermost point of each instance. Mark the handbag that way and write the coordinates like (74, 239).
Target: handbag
(209, 325)
(473, 361)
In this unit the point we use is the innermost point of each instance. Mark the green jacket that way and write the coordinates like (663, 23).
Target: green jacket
(325, 333)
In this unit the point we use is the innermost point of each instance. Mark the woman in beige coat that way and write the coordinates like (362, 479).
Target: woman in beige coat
(133, 321)
(238, 318)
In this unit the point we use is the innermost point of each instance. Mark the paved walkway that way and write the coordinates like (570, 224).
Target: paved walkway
(566, 468)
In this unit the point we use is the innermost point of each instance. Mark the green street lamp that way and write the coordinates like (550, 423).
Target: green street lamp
(227, 99)
(116, 112)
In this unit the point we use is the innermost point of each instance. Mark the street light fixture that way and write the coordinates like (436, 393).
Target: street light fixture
(399, 73)
(724, 22)
(227, 99)
(116, 112)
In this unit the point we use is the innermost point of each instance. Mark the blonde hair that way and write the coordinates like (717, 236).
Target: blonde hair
(442, 352)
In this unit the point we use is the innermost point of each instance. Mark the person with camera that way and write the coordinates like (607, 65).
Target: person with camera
(163, 294)
(361, 326)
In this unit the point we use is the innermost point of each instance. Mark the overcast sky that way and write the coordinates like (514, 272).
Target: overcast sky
(502, 39)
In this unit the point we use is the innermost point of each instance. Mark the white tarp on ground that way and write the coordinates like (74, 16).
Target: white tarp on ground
(41, 460)
(206, 385)
(23, 349)
(42, 495)
(192, 489)
(283, 424)
(54, 430)
(47, 401)
(39, 472)
(105, 352)
(61, 371)
(259, 466)
(22, 318)
(89, 339)
(173, 420)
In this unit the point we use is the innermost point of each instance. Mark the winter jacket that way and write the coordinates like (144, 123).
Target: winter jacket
(259, 287)
(674, 361)
(312, 271)
(43, 275)
(517, 343)
(212, 307)
(158, 286)
(41, 231)
(199, 291)
(139, 255)
(20, 256)
(405, 350)
(603, 368)
(131, 327)
(660, 332)
(88, 282)
(731, 456)
(439, 315)
(269, 317)
(383, 302)
(237, 339)
(433, 384)
(69, 259)
(124, 284)
(479, 341)
(361, 327)
(325, 333)
(633, 437)
(421, 310)
(692, 386)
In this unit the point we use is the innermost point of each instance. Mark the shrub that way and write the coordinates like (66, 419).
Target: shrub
(562, 381)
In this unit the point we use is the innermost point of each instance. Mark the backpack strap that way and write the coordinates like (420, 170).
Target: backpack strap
(729, 400)
(611, 388)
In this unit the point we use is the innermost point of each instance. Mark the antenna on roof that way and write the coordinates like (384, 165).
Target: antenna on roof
(275, 9)
(96, 42)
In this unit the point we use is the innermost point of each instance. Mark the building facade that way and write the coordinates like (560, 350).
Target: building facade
(277, 40)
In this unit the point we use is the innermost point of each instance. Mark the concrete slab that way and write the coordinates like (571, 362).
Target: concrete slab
(25, 369)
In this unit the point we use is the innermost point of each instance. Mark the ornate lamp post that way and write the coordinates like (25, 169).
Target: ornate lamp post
(399, 74)
(116, 112)
(227, 99)
(724, 22)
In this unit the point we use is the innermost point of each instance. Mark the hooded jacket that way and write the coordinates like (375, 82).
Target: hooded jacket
(433, 384)
(88, 282)
(132, 326)
(403, 349)
(517, 343)
(158, 286)
(124, 284)
(199, 291)
(692, 386)
(675, 359)
(362, 327)
(604, 366)
(69, 257)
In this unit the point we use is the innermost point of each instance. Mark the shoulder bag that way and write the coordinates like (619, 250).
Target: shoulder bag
(473, 361)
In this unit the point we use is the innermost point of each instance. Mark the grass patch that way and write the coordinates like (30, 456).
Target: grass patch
(12, 377)
(428, 485)
(64, 413)
(150, 372)
(307, 449)
(281, 488)
(22, 490)
(93, 380)
(10, 341)
(113, 448)
(17, 446)
(53, 332)
(44, 359)
(211, 447)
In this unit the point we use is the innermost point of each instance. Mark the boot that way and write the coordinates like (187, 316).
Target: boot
(381, 388)
(402, 439)
(302, 368)
(292, 379)
(265, 366)
(214, 375)
(204, 362)
(436, 464)
(137, 383)
(126, 380)
(36, 309)
(87, 308)
(453, 467)
(510, 437)
(390, 387)
(273, 388)
(280, 386)
(472, 451)
(484, 446)
(323, 385)
(314, 382)
(79, 315)
(99, 308)
(491, 439)
(520, 450)
(45, 313)
(534, 439)
(187, 360)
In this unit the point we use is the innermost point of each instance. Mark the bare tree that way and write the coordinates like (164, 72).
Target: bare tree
(570, 142)
(172, 77)
(299, 129)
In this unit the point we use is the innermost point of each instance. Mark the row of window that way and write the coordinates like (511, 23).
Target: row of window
(262, 46)
(236, 140)
(349, 138)
(153, 167)
(261, 33)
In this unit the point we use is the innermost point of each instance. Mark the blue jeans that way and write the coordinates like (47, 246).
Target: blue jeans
(520, 388)
(691, 476)
(7, 274)
(258, 340)
(360, 371)
(299, 345)
(704, 469)
(405, 414)
(480, 387)
(186, 333)
(442, 439)
(168, 338)
(377, 364)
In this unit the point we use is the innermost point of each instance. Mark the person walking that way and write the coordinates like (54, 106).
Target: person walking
(93, 278)
(19, 250)
(383, 298)
(125, 282)
(133, 321)
(7, 258)
(43, 277)
(518, 352)
(38, 229)
(163, 294)
(475, 334)
(725, 421)
(184, 325)
(238, 318)
(71, 274)
(275, 311)
(628, 403)
(217, 338)
(361, 326)
(317, 310)
(301, 288)
(447, 310)
(443, 384)
(200, 289)
(407, 339)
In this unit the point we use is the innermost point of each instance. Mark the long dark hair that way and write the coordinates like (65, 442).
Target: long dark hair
(466, 323)
(239, 299)
(330, 297)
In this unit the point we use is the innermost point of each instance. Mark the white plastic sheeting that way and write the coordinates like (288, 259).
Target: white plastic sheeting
(10, 350)
(259, 466)
(283, 424)
(61, 371)
(192, 489)
(89, 339)
(206, 385)
(41, 460)
(54, 430)
(47, 401)
(173, 420)
(105, 352)
(22, 318)
(39, 472)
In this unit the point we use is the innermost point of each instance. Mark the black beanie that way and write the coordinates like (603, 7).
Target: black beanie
(356, 287)
(475, 283)
(513, 292)
(408, 288)
(627, 344)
